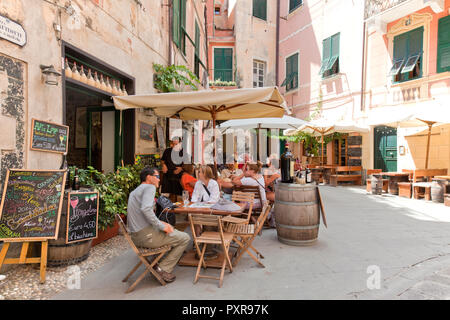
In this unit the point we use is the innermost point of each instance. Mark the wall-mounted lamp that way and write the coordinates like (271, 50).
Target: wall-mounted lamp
(50, 75)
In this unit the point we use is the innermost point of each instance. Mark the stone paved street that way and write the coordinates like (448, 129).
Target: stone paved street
(407, 241)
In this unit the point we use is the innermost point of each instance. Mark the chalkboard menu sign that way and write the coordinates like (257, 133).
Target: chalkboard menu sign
(151, 160)
(48, 136)
(82, 218)
(145, 131)
(31, 204)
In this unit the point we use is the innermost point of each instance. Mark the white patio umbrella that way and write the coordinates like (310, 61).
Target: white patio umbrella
(322, 127)
(263, 123)
(420, 115)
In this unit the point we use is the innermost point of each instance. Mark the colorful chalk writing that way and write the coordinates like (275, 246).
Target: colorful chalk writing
(152, 160)
(47, 136)
(82, 216)
(31, 204)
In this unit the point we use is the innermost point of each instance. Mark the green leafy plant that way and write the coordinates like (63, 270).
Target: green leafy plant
(170, 78)
(220, 83)
(114, 189)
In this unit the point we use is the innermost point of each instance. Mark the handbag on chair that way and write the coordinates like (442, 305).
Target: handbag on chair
(163, 205)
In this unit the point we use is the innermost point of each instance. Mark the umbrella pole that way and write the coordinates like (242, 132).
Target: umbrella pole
(428, 144)
(214, 142)
(257, 142)
(322, 150)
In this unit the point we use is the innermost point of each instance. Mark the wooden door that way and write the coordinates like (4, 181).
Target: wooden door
(385, 145)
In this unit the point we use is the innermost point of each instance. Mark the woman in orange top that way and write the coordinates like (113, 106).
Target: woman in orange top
(187, 179)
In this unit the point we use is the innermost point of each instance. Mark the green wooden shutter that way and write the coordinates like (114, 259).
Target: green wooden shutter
(260, 9)
(443, 52)
(291, 72)
(334, 51)
(223, 64)
(183, 25)
(176, 22)
(326, 54)
(415, 41)
(293, 4)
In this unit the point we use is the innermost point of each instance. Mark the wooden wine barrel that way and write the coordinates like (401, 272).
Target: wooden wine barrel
(437, 190)
(377, 184)
(297, 214)
(61, 254)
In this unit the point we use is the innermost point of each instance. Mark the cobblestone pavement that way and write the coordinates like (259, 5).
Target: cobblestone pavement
(22, 282)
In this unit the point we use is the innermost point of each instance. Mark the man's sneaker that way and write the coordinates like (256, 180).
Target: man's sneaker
(167, 277)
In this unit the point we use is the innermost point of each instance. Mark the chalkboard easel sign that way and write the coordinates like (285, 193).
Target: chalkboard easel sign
(145, 131)
(82, 217)
(49, 136)
(30, 209)
(151, 159)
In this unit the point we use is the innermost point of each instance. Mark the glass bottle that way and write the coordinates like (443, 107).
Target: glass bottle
(67, 71)
(287, 166)
(64, 166)
(76, 181)
(75, 74)
(83, 77)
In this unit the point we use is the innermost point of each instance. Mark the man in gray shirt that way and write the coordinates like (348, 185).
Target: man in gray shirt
(147, 230)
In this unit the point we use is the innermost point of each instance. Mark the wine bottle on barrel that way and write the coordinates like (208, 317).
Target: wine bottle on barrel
(287, 166)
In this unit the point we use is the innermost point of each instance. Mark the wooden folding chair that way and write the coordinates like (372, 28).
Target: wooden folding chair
(142, 253)
(211, 237)
(239, 196)
(244, 234)
(257, 194)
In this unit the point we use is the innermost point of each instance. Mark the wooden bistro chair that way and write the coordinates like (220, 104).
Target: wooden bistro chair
(142, 253)
(244, 234)
(211, 237)
(239, 196)
(257, 194)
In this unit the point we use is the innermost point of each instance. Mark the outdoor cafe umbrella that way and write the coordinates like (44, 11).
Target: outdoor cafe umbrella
(263, 123)
(210, 105)
(322, 127)
(419, 115)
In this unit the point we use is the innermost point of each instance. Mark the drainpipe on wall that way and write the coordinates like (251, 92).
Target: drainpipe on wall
(277, 45)
(363, 68)
(169, 7)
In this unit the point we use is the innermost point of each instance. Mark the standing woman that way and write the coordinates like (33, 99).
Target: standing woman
(206, 188)
(172, 168)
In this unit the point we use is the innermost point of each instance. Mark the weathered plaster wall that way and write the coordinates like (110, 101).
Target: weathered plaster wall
(123, 34)
(255, 40)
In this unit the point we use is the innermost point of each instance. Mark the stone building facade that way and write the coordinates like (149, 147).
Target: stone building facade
(120, 40)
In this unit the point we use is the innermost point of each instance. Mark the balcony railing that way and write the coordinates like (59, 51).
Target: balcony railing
(374, 7)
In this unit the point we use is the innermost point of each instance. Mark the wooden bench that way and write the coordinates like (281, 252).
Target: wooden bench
(344, 173)
(420, 180)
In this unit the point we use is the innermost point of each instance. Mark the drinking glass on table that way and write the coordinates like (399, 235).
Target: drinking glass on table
(185, 196)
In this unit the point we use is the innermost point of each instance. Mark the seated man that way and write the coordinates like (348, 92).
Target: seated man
(147, 230)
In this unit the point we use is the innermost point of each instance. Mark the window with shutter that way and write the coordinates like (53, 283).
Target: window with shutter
(223, 64)
(443, 52)
(260, 9)
(294, 4)
(179, 24)
(291, 81)
(176, 22)
(408, 52)
(330, 56)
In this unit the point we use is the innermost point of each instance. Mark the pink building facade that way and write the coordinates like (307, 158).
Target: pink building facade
(320, 63)
(407, 69)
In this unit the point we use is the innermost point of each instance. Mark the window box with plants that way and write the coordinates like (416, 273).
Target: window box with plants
(219, 84)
